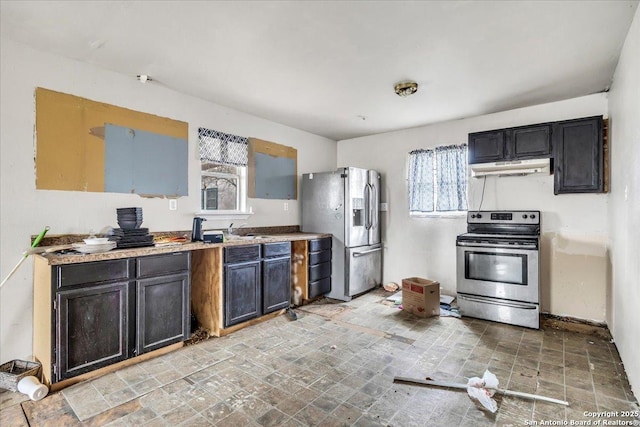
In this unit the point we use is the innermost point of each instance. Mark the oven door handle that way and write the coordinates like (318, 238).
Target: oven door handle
(496, 245)
(513, 304)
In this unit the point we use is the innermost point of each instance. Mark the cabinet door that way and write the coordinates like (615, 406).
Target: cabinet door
(163, 311)
(276, 284)
(529, 142)
(487, 146)
(241, 292)
(91, 328)
(577, 146)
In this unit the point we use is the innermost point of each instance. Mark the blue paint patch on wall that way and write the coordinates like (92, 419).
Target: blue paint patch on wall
(275, 177)
(146, 163)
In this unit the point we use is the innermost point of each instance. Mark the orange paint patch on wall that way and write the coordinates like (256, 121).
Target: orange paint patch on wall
(70, 138)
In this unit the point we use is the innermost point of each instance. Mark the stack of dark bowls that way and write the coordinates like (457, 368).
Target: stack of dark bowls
(129, 218)
(130, 235)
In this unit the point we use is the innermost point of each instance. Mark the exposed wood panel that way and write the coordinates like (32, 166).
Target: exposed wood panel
(206, 288)
(70, 134)
(299, 272)
(42, 309)
(286, 171)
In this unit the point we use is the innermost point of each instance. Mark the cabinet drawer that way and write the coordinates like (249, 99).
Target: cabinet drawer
(91, 272)
(320, 271)
(316, 258)
(276, 249)
(243, 253)
(319, 287)
(162, 264)
(319, 244)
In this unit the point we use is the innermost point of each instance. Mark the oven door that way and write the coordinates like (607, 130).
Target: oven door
(498, 272)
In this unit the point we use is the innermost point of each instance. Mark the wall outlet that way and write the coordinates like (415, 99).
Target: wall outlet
(286, 206)
(384, 207)
(173, 204)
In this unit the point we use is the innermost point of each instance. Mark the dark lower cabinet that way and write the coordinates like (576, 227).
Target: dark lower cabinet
(276, 284)
(257, 280)
(92, 325)
(112, 310)
(578, 156)
(319, 273)
(162, 305)
(241, 292)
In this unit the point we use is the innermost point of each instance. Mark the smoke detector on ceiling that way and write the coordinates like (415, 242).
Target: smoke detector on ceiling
(406, 88)
(143, 78)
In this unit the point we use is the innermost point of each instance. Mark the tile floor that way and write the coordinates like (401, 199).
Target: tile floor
(335, 366)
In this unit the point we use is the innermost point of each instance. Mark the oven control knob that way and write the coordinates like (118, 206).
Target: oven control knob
(479, 216)
(524, 216)
(532, 216)
(473, 215)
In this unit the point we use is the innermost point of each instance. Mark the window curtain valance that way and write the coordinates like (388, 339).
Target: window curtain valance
(224, 148)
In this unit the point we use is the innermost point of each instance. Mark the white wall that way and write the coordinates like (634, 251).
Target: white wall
(574, 226)
(25, 211)
(624, 204)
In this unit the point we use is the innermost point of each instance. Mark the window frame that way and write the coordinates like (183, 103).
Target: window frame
(241, 211)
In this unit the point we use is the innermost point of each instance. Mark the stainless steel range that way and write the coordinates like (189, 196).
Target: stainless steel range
(498, 267)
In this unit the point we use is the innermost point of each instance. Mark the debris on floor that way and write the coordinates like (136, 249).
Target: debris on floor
(391, 287)
(291, 314)
(200, 334)
(485, 388)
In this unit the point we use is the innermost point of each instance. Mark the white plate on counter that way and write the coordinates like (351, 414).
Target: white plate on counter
(94, 249)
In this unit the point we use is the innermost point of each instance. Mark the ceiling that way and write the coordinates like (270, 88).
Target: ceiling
(329, 67)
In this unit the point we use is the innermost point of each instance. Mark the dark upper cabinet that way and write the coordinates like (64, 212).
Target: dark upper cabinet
(578, 156)
(92, 328)
(519, 143)
(487, 146)
(529, 142)
(162, 305)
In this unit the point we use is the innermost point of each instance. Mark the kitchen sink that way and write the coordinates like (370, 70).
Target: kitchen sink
(232, 238)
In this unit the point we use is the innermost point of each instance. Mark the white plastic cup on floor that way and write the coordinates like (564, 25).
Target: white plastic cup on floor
(32, 388)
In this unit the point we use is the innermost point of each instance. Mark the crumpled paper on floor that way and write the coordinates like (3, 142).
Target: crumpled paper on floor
(483, 389)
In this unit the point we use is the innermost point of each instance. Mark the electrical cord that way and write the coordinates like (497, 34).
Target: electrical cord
(484, 183)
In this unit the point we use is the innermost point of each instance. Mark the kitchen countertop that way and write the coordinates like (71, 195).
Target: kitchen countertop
(72, 258)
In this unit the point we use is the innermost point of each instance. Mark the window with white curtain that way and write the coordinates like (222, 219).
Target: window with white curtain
(223, 171)
(438, 180)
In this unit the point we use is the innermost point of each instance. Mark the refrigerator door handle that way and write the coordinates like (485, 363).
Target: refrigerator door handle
(370, 251)
(367, 206)
(375, 215)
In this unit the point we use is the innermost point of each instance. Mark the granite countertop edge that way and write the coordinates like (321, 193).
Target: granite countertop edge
(61, 259)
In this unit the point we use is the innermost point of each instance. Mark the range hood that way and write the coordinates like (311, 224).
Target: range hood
(512, 167)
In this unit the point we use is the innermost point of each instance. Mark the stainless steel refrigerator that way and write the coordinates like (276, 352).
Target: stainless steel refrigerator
(346, 203)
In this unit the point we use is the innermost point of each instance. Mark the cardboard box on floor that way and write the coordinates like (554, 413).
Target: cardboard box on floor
(421, 296)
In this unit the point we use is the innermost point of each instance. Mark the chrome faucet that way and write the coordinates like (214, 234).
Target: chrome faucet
(230, 228)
